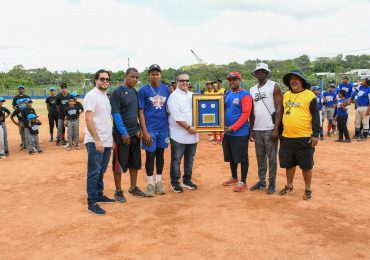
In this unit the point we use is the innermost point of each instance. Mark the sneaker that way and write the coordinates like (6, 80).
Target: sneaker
(6, 152)
(118, 195)
(21, 145)
(271, 189)
(329, 134)
(307, 194)
(355, 137)
(189, 185)
(347, 141)
(78, 146)
(31, 152)
(339, 141)
(362, 138)
(51, 140)
(69, 147)
(159, 188)
(64, 142)
(2, 156)
(39, 151)
(96, 209)
(57, 143)
(285, 190)
(241, 186)
(136, 192)
(176, 188)
(258, 186)
(105, 199)
(151, 191)
(22, 148)
(230, 182)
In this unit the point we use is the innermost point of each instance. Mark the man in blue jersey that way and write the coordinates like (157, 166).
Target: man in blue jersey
(329, 102)
(126, 134)
(316, 91)
(154, 124)
(363, 109)
(238, 107)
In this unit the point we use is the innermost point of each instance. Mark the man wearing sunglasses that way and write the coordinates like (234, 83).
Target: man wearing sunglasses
(184, 136)
(98, 140)
(154, 123)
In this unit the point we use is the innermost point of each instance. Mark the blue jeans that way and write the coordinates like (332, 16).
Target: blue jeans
(178, 151)
(97, 164)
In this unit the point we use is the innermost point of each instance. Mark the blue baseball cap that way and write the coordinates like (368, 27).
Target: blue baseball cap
(26, 100)
(52, 88)
(21, 100)
(315, 87)
(2, 99)
(74, 94)
(20, 86)
(31, 116)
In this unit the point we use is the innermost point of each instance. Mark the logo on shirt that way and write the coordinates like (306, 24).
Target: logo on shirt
(35, 127)
(329, 98)
(293, 104)
(236, 101)
(259, 96)
(360, 93)
(158, 101)
(72, 112)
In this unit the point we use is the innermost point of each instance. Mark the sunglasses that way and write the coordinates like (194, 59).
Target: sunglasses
(104, 79)
(183, 80)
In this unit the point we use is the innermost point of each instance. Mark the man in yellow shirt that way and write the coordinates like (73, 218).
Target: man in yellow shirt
(301, 121)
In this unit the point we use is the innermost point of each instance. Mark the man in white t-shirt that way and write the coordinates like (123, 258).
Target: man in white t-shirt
(184, 136)
(265, 122)
(98, 140)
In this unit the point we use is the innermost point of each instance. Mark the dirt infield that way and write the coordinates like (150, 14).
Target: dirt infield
(43, 210)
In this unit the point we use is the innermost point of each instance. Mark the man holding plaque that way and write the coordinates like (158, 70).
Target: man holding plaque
(238, 107)
(184, 136)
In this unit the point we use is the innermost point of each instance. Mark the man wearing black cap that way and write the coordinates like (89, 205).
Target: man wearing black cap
(62, 102)
(301, 120)
(19, 96)
(154, 124)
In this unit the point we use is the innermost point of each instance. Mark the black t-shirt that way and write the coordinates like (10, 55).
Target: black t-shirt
(125, 102)
(3, 110)
(18, 113)
(62, 102)
(14, 103)
(52, 101)
(34, 129)
(72, 113)
(80, 107)
(25, 112)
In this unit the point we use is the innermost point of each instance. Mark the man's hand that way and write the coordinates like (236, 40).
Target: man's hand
(313, 140)
(251, 136)
(147, 139)
(126, 139)
(229, 130)
(99, 146)
(139, 134)
(192, 130)
(275, 134)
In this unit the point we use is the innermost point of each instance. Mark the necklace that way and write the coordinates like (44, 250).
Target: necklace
(290, 103)
(155, 93)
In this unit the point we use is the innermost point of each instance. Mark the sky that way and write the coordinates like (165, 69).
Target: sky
(87, 35)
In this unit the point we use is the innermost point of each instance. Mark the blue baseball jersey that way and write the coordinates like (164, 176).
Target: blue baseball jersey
(363, 96)
(347, 87)
(340, 110)
(330, 99)
(319, 100)
(153, 101)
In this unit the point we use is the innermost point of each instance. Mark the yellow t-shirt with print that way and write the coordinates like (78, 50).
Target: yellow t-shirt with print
(297, 118)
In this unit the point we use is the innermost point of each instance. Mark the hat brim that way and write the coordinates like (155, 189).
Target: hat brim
(254, 72)
(287, 83)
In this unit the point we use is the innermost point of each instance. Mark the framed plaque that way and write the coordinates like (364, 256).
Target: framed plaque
(208, 113)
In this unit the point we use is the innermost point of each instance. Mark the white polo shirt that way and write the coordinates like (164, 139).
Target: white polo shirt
(98, 102)
(180, 108)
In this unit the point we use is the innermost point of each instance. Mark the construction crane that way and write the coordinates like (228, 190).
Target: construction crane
(200, 61)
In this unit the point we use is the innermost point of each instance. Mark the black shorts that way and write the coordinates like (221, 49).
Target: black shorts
(296, 151)
(235, 148)
(127, 156)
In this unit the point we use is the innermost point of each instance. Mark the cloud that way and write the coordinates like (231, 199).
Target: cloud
(87, 35)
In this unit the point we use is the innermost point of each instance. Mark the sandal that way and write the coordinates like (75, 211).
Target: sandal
(285, 190)
(307, 194)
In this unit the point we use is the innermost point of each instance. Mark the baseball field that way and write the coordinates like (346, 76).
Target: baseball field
(44, 213)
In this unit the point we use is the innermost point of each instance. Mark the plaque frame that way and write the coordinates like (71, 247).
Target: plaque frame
(217, 127)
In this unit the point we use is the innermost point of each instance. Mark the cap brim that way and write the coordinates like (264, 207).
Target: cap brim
(254, 71)
(287, 83)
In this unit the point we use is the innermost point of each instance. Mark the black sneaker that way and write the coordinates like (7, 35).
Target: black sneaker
(189, 185)
(176, 188)
(118, 195)
(347, 141)
(6, 152)
(64, 142)
(57, 143)
(339, 141)
(105, 199)
(258, 186)
(96, 209)
(136, 192)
